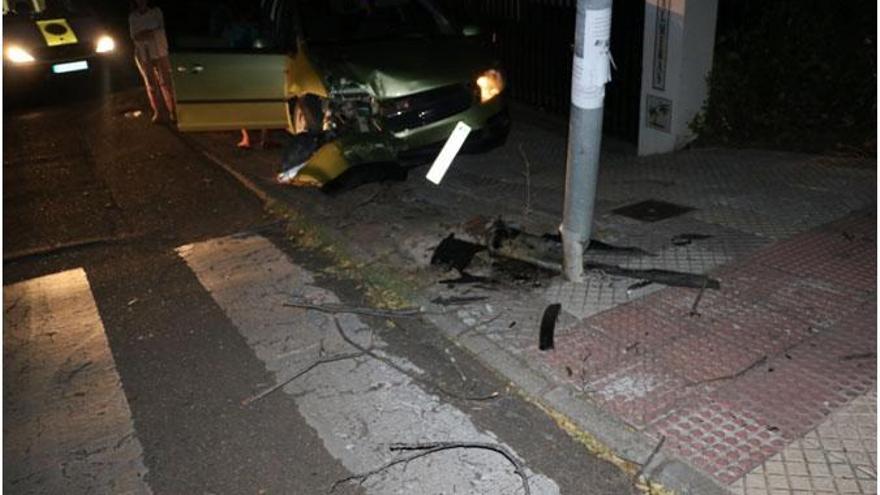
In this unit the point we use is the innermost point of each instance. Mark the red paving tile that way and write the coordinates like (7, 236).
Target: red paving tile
(790, 337)
(583, 354)
(718, 438)
(640, 390)
(645, 323)
(703, 357)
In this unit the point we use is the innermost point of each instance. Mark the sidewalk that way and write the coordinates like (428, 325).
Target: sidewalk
(767, 385)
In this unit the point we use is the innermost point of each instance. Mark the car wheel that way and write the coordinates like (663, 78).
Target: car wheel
(307, 115)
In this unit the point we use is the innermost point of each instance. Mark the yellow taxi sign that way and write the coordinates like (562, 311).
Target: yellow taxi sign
(57, 32)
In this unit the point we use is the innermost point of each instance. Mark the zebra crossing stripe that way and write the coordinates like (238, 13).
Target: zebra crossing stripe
(67, 424)
(359, 406)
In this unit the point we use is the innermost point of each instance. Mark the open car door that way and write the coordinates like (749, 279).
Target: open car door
(230, 66)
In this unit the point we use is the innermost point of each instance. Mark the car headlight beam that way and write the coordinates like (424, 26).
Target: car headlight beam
(490, 84)
(105, 44)
(18, 55)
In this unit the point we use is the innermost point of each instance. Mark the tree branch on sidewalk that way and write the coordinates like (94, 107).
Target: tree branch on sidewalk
(425, 449)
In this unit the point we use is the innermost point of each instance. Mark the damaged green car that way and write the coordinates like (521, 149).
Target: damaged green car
(398, 73)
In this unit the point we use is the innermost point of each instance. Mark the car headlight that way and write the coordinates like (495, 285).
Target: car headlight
(490, 84)
(105, 44)
(18, 55)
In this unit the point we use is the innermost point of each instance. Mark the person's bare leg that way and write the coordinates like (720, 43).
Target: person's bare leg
(163, 69)
(245, 142)
(148, 74)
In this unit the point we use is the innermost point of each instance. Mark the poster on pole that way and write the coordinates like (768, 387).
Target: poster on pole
(591, 67)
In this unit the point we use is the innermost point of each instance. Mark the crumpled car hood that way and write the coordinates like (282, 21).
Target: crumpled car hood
(394, 68)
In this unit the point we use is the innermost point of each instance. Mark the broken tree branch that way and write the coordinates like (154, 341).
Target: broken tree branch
(650, 458)
(413, 376)
(758, 362)
(324, 360)
(425, 449)
(341, 308)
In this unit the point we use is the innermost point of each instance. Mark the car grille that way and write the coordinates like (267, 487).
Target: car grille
(410, 112)
(64, 52)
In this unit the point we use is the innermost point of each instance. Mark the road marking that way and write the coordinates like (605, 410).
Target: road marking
(358, 407)
(67, 424)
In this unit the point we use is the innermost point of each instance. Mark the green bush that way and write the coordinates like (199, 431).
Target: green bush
(794, 74)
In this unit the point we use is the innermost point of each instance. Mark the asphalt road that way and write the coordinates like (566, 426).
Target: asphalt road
(145, 297)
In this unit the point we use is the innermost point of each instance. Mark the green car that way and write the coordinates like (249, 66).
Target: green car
(390, 75)
(45, 39)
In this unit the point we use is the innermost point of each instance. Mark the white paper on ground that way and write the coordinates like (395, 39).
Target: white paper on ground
(447, 154)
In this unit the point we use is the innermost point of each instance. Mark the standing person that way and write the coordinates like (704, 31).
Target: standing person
(147, 27)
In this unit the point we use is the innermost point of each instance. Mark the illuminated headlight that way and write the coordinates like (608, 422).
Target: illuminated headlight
(490, 84)
(105, 44)
(18, 55)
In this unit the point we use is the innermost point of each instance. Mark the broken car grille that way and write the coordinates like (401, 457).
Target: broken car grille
(410, 112)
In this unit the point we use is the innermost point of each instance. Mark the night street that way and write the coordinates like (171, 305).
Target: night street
(439, 247)
(140, 390)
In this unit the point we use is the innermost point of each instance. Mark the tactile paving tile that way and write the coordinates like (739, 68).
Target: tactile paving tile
(639, 390)
(826, 256)
(747, 325)
(792, 399)
(581, 355)
(645, 322)
(717, 437)
(840, 456)
(704, 357)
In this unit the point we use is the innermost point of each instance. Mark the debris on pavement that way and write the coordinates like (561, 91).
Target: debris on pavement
(339, 163)
(341, 308)
(693, 311)
(638, 285)
(455, 301)
(685, 239)
(548, 326)
(428, 448)
(133, 114)
(542, 251)
(454, 253)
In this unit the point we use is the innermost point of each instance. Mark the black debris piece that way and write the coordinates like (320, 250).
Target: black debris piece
(298, 148)
(685, 239)
(652, 210)
(548, 326)
(638, 285)
(454, 253)
(453, 301)
(596, 245)
(665, 277)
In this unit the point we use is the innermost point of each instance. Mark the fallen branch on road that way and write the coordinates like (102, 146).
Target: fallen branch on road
(324, 360)
(341, 308)
(425, 449)
(416, 378)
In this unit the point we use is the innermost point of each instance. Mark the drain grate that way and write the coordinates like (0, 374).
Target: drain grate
(652, 210)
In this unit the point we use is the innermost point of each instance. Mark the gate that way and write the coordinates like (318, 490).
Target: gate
(533, 39)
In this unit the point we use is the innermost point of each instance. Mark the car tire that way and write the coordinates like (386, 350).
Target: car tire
(308, 117)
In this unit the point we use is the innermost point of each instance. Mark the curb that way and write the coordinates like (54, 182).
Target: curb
(623, 441)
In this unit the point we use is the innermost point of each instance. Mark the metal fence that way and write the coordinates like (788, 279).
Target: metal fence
(534, 38)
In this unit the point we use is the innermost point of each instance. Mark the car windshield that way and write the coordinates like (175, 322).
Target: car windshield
(46, 8)
(341, 21)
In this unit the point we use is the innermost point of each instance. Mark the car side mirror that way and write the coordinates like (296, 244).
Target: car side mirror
(470, 30)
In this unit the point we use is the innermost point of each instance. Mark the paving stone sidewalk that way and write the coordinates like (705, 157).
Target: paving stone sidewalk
(768, 385)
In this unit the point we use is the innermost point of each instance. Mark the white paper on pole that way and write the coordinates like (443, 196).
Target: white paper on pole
(591, 67)
(447, 154)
